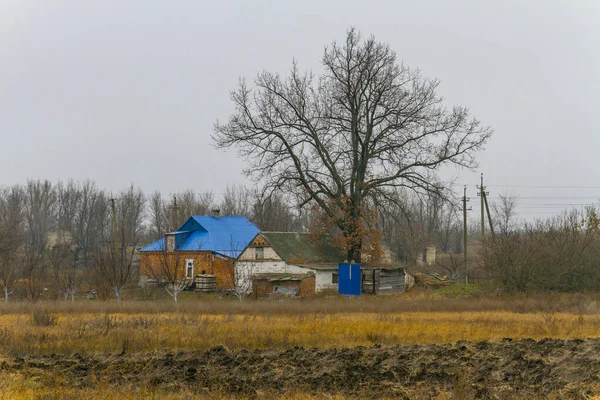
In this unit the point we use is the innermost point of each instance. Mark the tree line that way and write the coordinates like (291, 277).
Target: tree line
(66, 238)
(57, 239)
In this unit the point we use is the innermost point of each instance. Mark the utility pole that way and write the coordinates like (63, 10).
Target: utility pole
(465, 199)
(487, 208)
(114, 222)
(482, 194)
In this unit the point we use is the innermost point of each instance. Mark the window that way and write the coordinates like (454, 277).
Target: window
(260, 253)
(189, 269)
(335, 277)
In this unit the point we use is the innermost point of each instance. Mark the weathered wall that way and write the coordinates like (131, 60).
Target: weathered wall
(262, 287)
(325, 280)
(430, 255)
(249, 268)
(250, 254)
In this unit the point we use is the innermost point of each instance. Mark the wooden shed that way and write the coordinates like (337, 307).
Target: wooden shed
(292, 285)
(383, 281)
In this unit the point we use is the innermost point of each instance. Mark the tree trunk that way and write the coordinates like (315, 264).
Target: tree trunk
(5, 294)
(354, 252)
(175, 291)
(118, 290)
(353, 232)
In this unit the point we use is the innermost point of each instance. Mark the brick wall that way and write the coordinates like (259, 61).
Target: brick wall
(152, 263)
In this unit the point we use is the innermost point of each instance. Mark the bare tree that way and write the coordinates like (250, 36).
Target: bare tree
(273, 213)
(11, 236)
(191, 203)
(167, 216)
(68, 200)
(504, 213)
(240, 279)
(63, 252)
(236, 201)
(60, 256)
(158, 216)
(449, 229)
(114, 262)
(205, 202)
(451, 264)
(40, 218)
(366, 126)
(88, 222)
(411, 222)
(170, 268)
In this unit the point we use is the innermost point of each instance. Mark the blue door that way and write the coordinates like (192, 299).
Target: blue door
(349, 279)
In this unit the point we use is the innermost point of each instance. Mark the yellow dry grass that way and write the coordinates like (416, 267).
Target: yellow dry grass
(153, 327)
(19, 387)
(145, 332)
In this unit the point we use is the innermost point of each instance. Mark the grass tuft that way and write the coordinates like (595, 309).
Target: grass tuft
(43, 318)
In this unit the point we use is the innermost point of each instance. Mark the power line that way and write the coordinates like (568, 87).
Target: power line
(545, 186)
(549, 197)
(552, 204)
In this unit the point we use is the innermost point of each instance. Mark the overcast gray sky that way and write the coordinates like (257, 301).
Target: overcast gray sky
(127, 91)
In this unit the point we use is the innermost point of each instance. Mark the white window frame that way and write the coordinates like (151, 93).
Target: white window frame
(189, 262)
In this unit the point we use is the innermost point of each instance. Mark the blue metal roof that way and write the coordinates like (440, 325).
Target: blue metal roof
(228, 236)
(159, 245)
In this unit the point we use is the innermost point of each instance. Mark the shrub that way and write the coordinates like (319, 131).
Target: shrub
(44, 318)
(558, 254)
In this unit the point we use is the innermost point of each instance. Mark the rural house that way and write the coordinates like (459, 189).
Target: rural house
(202, 245)
(290, 253)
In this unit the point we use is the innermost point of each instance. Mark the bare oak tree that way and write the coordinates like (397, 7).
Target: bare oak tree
(365, 126)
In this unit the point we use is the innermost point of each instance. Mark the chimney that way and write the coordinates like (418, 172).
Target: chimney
(169, 242)
(216, 213)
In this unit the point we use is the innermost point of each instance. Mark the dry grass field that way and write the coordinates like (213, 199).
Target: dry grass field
(128, 350)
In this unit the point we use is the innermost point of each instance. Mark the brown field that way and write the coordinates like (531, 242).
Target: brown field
(422, 345)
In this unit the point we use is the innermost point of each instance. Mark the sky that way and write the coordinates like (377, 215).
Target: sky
(124, 91)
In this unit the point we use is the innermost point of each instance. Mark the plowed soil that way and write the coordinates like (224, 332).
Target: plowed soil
(507, 369)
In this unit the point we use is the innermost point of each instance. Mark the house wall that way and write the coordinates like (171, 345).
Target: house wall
(250, 254)
(152, 262)
(246, 269)
(325, 280)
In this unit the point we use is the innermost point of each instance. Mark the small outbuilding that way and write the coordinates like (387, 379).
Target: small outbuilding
(383, 280)
(286, 285)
